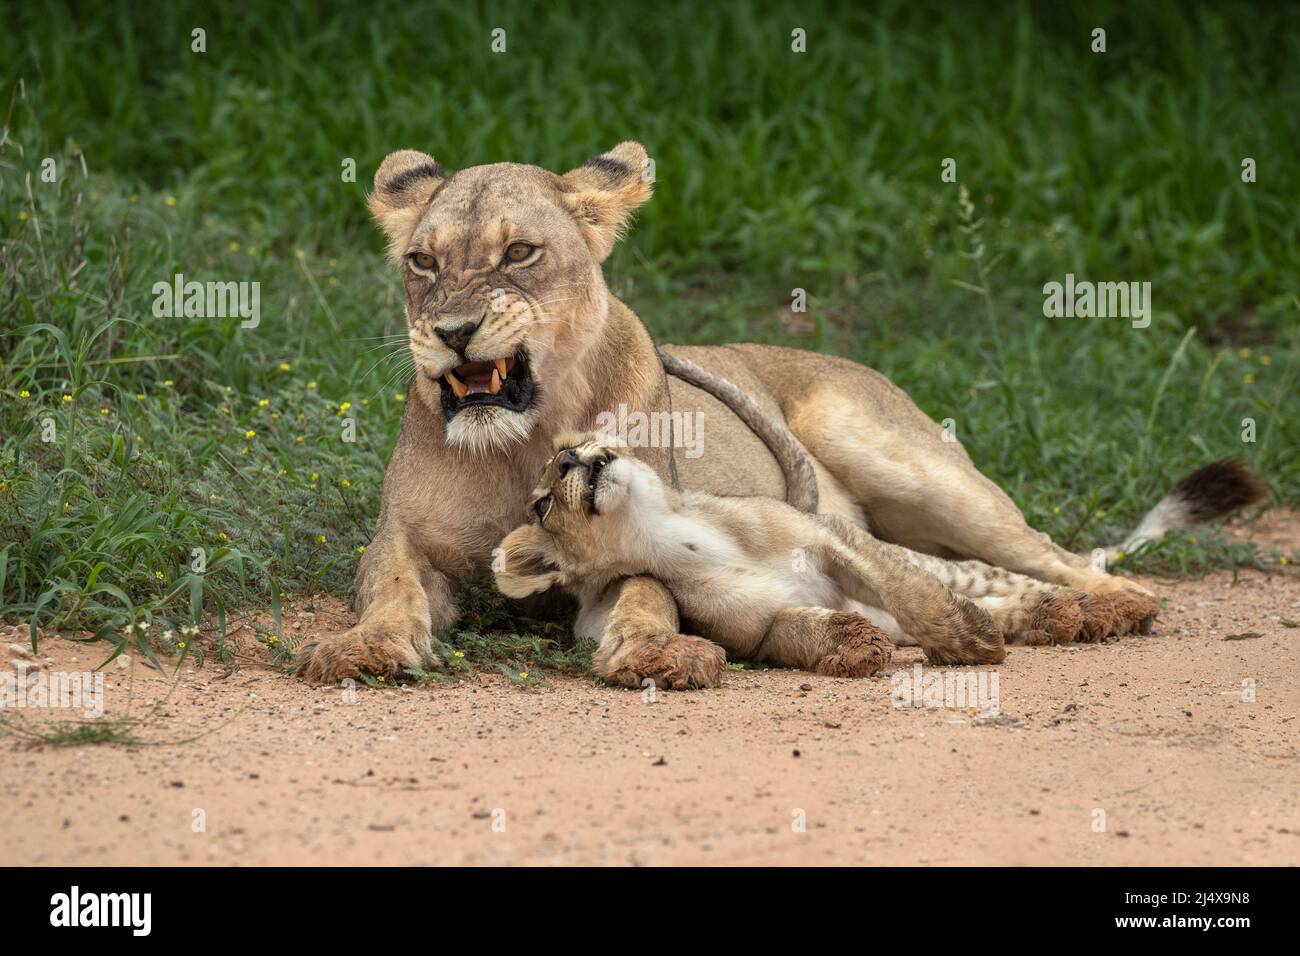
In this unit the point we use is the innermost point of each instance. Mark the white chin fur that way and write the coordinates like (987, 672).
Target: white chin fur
(488, 429)
(624, 479)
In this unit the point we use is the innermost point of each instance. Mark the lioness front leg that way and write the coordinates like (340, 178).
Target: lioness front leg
(403, 599)
(641, 642)
(835, 643)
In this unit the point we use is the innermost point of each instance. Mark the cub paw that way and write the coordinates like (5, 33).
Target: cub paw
(863, 650)
(1116, 613)
(1048, 618)
(675, 661)
(375, 648)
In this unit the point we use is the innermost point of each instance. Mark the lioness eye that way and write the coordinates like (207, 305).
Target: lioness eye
(542, 506)
(518, 251)
(424, 261)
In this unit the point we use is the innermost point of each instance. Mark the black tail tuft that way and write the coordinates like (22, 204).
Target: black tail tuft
(1218, 489)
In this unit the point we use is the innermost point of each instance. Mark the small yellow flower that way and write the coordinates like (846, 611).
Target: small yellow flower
(272, 639)
(250, 434)
(1056, 510)
(1282, 559)
(523, 674)
(135, 197)
(158, 575)
(298, 253)
(67, 398)
(380, 679)
(234, 246)
(1192, 538)
(345, 406)
(285, 366)
(168, 384)
(170, 200)
(181, 645)
(315, 475)
(262, 403)
(458, 654)
(252, 250)
(312, 385)
(1266, 360)
(103, 411)
(245, 450)
(1119, 555)
(1101, 514)
(223, 536)
(361, 549)
(1249, 378)
(333, 263)
(22, 215)
(400, 397)
(320, 538)
(24, 394)
(299, 440)
(139, 397)
(275, 416)
(1244, 353)
(346, 483)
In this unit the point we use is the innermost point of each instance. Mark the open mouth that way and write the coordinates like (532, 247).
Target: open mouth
(593, 476)
(504, 382)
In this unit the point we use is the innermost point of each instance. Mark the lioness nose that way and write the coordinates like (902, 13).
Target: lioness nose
(456, 339)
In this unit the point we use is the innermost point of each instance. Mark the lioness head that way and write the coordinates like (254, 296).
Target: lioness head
(502, 266)
(594, 512)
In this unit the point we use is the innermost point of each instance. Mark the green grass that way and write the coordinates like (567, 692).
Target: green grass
(775, 170)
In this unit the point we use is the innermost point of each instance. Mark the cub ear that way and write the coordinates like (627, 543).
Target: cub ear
(527, 563)
(404, 183)
(602, 193)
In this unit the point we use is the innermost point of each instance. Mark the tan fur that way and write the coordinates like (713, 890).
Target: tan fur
(754, 575)
(453, 490)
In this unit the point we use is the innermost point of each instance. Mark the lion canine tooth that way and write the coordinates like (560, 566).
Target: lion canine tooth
(496, 383)
(501, 368)
(457, 386)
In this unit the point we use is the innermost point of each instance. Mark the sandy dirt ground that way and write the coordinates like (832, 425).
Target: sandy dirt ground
(1179, 747)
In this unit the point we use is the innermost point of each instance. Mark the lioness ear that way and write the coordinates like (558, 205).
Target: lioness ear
(404, 183)
(602, 193)
(527, 562)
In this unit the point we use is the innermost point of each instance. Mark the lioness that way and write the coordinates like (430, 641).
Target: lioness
(771, 583)
(516, 338)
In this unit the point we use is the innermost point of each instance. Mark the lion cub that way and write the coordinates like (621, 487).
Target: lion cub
(754, 575)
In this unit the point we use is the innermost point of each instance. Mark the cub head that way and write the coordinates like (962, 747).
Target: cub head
(502, 268)
(593, 513)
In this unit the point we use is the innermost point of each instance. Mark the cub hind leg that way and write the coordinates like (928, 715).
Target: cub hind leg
(1029, 611)
(950, 628)
(834, 643)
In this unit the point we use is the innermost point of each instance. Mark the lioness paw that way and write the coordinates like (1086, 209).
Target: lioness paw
(374, 648)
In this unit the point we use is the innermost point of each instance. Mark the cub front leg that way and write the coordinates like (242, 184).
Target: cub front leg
(641, 643)
(403, 601)
(835, 643)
